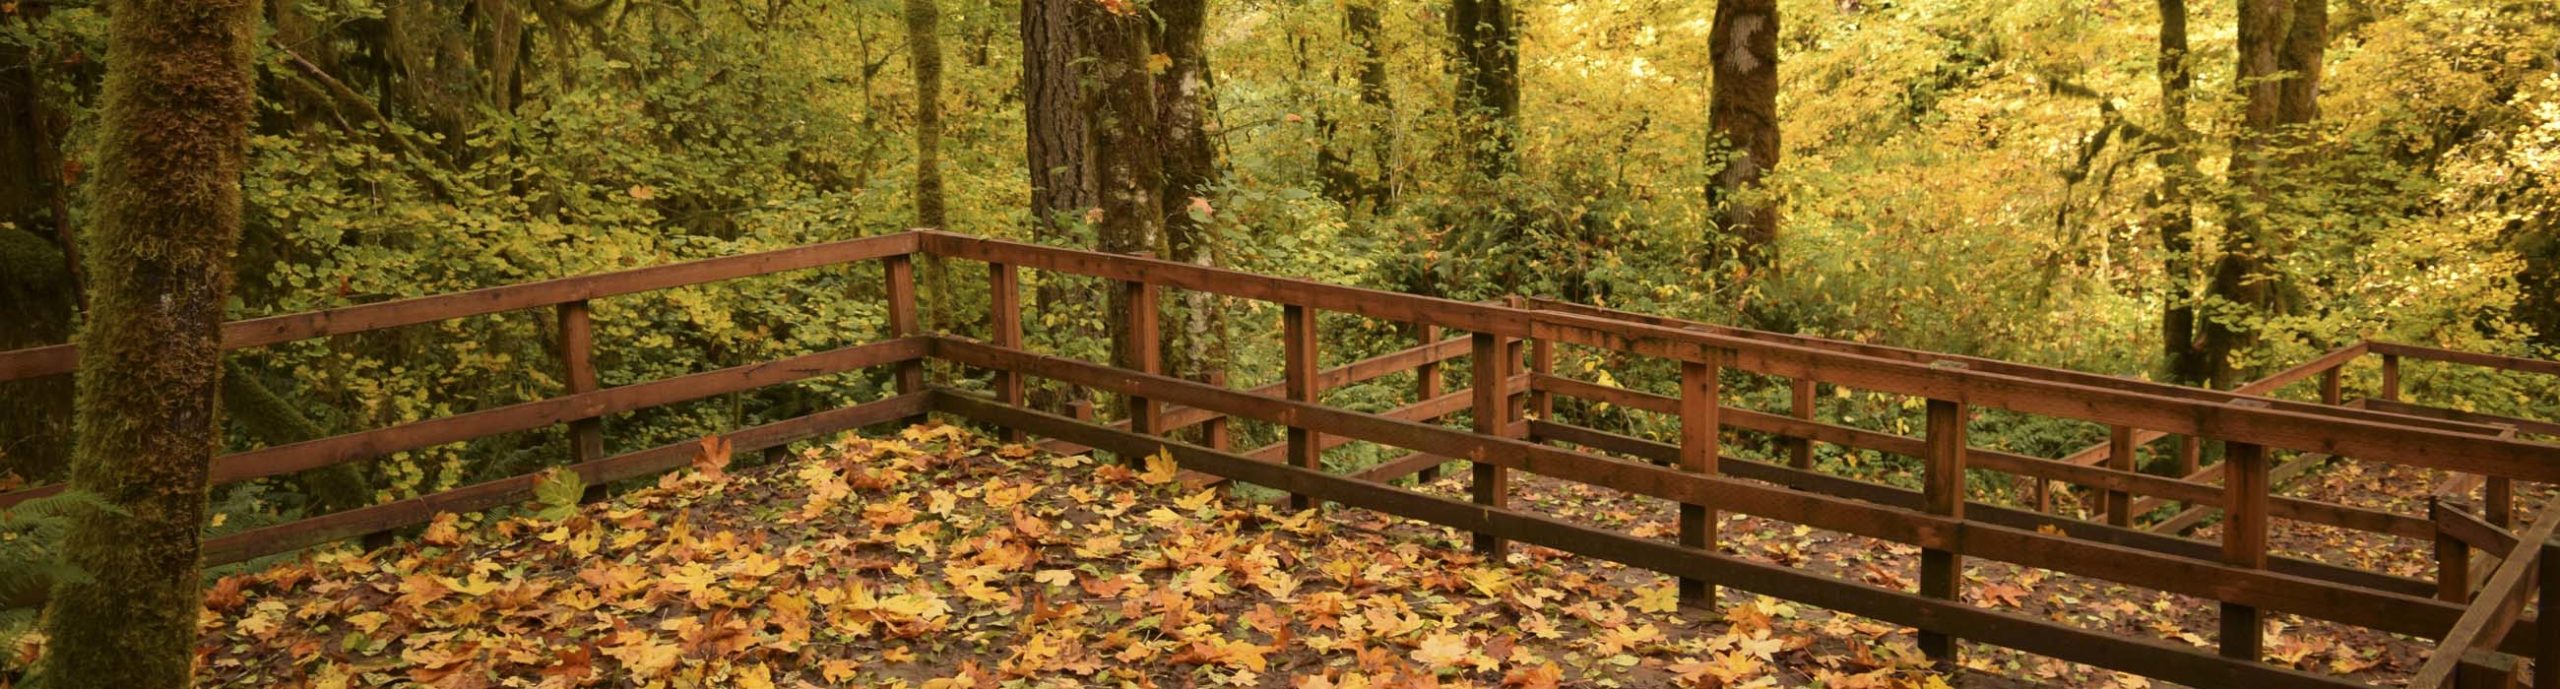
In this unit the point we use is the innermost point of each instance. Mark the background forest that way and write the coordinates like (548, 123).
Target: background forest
(2043, 181)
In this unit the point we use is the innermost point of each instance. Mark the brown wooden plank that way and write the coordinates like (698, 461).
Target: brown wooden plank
(2397, 613)
(1004, 329)
(1800, 402)
(2120, 455)
(2434, 412)
(2133, 482)
(1139, 341)
(1298, 358)
(1178, 416)
(1490, 483)
(2244, 544)
(312, 454)
(900, 274)
(2546, 638)
(2331, 359)
(1700, 431)
(2452, 520)
(2166, 661)
(1666, 454)
(2496, 361)
(2501, 601)
(57, 359)
(1942, 485)
(1427, 384)
(1400, 467)
(2390, 375)
(577, 357)
(336, 526)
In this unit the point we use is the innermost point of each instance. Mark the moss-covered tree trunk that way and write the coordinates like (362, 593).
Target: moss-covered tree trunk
(2282, 43)
(1743, 112)
(172, 148)
(1129, 170)
(1062, 171)
(1196, 341)
(2175, 212)
(924, 55)
(1488, 94)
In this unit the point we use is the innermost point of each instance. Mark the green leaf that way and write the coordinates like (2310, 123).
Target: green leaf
(558, 490)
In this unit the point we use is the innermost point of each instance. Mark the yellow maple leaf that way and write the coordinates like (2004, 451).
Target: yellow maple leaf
(445, 530)
(1160, 468)
(1441, 650)
(1660, 598)
(757, 676)
(1196, 500)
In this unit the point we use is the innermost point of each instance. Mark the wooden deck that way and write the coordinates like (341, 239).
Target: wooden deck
(2479, 617)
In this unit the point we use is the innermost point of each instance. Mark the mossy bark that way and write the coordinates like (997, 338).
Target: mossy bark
(172, 148)
(1743, 112)
(1195, 338)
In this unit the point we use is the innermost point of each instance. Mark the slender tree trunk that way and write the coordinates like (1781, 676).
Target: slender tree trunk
(1062, 172)
(924, 55)
(1488, 80)
(1196, 345)
(39, 271)
(2180, 350)
(1743, 112)
(1360, 20)
(173, 145)
(2281, 46)
(924, 58)
(1343, 181)
(1121, 100)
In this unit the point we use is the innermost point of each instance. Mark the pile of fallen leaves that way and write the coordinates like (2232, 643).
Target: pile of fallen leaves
(941, 560)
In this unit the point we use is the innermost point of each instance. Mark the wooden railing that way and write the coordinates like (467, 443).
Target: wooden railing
(580, 409)
(1509, 400)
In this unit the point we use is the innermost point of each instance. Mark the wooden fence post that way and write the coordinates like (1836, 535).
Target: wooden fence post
(1800, 403)
(1298, 354)
(2329, 392)
(1942, 492)
(1492, 484)
(2244, 542)
(1700, 426)
(1004, 326)
(2391, 377)
(1214, 430)
(1542, 359)
(900, 271)
(2546, 636)
(1427, 386)
(577, 354)
(2120, 456)
(2453, 557)
(1138, 341)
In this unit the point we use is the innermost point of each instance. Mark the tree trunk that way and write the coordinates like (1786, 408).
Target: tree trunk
(1196, 338)
(1062, 187)
(2180, 351)
(1743, 112)
(1129, 172)
(924, 55)
(39, 271)
(1360, 19)
(173, 145)
(2281, 46)
(1488, 81)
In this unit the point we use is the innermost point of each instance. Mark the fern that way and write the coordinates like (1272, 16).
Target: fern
(31, 561)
